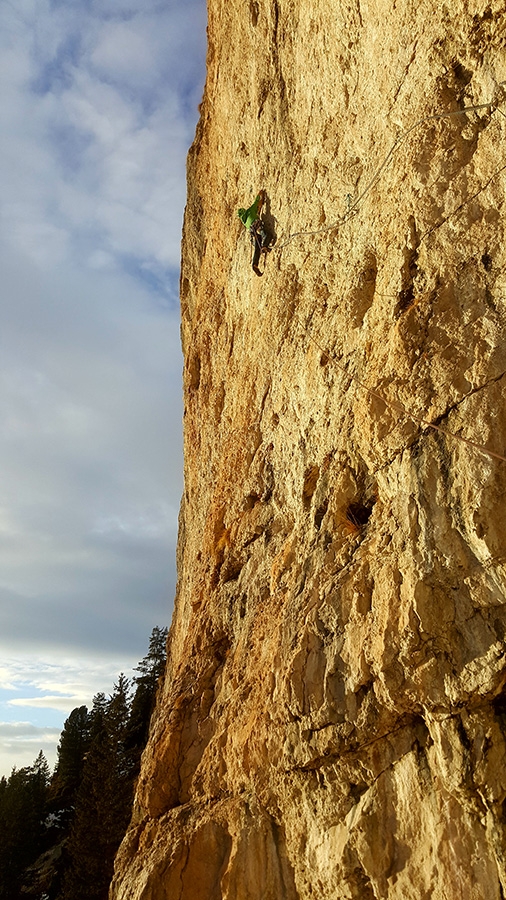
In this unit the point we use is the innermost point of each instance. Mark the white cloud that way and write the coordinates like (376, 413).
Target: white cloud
(124, 50)
(89, 426)
(107, 100)
(97, 110)
(49, 702)
(6, 683)
(21, 742)
(26, 730)
(47, 692)
(76, 677)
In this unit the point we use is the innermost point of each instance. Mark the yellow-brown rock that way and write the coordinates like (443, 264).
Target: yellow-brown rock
(333, 720)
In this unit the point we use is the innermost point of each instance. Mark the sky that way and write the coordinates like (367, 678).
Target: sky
(98, 108)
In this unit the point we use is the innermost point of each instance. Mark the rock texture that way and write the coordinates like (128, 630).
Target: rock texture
(333, 719)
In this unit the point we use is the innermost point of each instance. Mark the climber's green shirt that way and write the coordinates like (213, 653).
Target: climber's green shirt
(248, 216)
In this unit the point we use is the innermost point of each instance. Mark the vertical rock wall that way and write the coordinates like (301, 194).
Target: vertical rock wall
(333, 718)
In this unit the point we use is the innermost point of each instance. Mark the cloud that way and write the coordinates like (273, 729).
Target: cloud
(111, 99)
(90, 449)
(15, 730)
(74, 679)
(21, 742)
(90, 405)
(47, 692)
(47, 702)
(97, 110)
(128, 51)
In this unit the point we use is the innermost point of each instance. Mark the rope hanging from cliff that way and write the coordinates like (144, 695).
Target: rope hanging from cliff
(397, 407)
(480, 448)
(353, 207)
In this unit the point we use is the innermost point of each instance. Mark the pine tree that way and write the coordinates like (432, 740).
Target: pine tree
(98, 709)
(151, 668)
(103, 802)
(90, 796)
(74, 742)
(41, 769)
(23, 798)
(116, 719)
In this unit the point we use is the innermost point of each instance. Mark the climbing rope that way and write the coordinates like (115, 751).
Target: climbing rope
(353, 207)
(401, 409)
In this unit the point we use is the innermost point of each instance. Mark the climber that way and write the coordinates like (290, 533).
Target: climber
(259, 235)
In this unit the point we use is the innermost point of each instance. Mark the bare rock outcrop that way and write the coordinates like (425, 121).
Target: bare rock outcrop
(333, 719)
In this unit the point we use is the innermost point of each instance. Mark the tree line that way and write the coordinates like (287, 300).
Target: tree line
(59, 832)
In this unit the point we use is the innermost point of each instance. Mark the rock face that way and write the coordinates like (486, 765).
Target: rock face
(333, 719)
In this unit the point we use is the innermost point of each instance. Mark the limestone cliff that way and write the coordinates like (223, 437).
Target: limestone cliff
(333, 720)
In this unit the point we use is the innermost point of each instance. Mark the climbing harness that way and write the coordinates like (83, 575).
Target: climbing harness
(261, 241)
